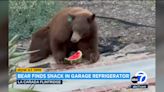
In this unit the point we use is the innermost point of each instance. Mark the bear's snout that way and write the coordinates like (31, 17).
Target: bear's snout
(75, 37)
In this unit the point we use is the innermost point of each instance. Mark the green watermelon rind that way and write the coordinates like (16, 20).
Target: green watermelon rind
(72, 61)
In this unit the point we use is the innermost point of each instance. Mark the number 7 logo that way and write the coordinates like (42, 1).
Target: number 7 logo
(141, 76)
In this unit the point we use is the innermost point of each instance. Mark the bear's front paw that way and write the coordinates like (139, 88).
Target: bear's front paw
(59, 58)
(59, 61)
(94, 58)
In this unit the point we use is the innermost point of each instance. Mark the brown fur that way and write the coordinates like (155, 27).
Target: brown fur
(40, 42)
(57, 36)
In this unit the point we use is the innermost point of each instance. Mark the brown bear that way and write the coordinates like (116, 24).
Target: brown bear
(70, 30)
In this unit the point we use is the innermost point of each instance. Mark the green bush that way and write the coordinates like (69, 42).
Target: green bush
(27, 16)
(14, 58)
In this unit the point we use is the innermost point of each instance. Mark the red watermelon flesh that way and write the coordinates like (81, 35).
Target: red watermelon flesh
(75, 56)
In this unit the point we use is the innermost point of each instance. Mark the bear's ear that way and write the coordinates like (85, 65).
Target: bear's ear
(91, 18)
(70, 18)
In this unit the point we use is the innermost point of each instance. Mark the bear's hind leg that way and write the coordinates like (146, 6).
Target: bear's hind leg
(39, 42)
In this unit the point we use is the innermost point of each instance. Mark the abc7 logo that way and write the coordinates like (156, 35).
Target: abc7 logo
(140, 77)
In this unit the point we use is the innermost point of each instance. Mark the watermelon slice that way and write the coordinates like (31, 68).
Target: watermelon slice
(75, 58)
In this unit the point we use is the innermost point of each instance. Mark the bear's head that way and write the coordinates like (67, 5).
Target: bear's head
(80, 26)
